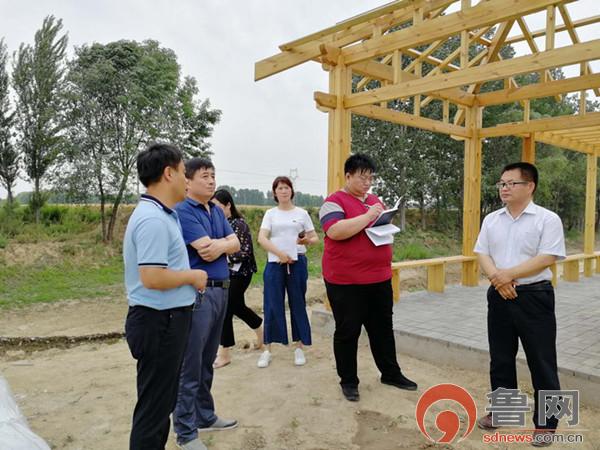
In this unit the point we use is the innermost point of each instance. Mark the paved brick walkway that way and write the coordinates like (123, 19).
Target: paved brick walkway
(458, 316)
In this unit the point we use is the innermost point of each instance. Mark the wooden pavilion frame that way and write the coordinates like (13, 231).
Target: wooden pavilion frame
(371, 46)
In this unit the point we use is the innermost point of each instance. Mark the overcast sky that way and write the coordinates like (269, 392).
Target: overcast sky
(268, 128)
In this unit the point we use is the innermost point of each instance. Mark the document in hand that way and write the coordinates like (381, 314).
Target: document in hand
(383, 234)
(386, 216)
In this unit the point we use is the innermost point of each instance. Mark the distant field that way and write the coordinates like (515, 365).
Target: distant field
(63, 258)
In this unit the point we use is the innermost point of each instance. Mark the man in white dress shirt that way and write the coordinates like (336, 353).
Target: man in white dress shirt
(515, 248)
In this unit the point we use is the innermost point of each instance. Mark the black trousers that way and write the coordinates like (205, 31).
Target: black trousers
(236, 304)
(157, 340)
(356, 305)
(530, 317)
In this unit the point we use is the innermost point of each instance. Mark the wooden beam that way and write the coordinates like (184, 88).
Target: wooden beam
(544, 75)
(577, 136)
(418, 56)
(471, 195)
(559, 28)
(554, 123)
(384, 72)
(589, 140)
(391, 115)
(464, 49)
(473, 62)
(528, 151)
(329, 54)
(571, 270)
(339, 127)
(526, 111)
(558, 141)
(325, 100)
(492, 55)
(590, 212)
(368, 18)
(578, 131)
(436, 277)
(445, 63)
(539, 90)
(488, 72)
(550, 26)
(418, 67)
(566, 143)
(424, 55)
(568, 22)
(481, 15)
(446, 111)
(397, 67)
(343, 34)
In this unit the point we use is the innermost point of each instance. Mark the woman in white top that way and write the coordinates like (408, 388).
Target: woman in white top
(285, 232)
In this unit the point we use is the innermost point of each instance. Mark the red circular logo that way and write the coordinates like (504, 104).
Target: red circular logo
(446, 421)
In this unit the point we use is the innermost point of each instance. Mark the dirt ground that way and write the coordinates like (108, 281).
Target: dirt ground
(82, 397)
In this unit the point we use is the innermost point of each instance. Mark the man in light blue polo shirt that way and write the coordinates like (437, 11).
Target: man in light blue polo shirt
(161, 289)
(209, 238)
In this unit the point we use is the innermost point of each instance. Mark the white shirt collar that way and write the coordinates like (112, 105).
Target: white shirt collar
(530, 209)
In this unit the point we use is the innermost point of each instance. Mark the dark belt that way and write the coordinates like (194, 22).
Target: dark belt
(218, 283)
(543, 285)
(168, 310)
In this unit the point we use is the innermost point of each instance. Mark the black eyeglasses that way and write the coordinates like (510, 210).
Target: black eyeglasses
(509, 184)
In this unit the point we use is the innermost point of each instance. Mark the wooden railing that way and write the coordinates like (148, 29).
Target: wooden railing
(436, 269)
(571, 268)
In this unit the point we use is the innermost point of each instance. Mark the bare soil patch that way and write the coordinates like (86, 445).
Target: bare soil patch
(82, 397)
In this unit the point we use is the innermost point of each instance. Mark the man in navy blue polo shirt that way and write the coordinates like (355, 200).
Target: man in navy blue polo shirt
(161, 290)
(209, 239)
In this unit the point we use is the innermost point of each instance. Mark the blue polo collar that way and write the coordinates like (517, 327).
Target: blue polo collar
(196, 203)
(157, 202)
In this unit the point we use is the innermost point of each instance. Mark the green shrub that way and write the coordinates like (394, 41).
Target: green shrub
(50, 214)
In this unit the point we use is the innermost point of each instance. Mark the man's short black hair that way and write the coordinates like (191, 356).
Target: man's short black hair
(528, 171)
(195, 164)
(152, 161)
(359, 162)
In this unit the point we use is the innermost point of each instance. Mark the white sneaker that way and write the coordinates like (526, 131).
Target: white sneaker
(299, 358)
(264, 360)
(196, 444)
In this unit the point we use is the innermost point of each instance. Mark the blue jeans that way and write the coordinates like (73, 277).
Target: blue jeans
(195, 406)
(277, 280)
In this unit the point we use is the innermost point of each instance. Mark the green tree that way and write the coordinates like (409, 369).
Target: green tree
(122, 96)
(192, 120)
(9, 157)
(246, 196)
(38, 79)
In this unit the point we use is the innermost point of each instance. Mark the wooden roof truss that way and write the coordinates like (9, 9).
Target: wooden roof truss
(394, 52)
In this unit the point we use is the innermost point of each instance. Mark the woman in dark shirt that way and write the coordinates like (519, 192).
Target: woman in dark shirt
(241, 267)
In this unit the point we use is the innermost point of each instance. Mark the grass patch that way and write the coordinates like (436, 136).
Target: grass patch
(20, 286)
(413, 250)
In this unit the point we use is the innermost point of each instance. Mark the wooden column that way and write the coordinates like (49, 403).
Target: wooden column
(340, 85)
(528, 152)
(590, 213)
(472, 195)
(417, 20)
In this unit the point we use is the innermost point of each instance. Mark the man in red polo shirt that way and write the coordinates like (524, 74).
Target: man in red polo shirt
(358, 279)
